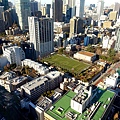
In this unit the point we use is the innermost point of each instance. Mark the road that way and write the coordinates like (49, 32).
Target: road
(104, 75)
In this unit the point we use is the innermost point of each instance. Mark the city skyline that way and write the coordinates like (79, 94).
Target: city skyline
(87, 2)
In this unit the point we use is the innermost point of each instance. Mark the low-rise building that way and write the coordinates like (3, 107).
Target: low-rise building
(42, 84)
(94, 106)
(81, 100)
(38, 110)
(107, 24)
(11, 82)
(36, 66)
(112, 80)
(85, 56)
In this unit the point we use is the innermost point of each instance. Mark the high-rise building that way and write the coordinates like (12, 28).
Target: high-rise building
(7, 18)
(33, 7)
(113, 15)
(72, 5)
(14, 54)
(76, 26)
(117, 44)
(5, 4)
(48, 6)
(1, 11)
(57, 7)
(117, 7)
(41, 35)
(43, 10)
(80, 8)
(39, 5)
(23, 11)
(100, 7)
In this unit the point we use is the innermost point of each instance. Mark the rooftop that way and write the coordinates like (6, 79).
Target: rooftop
(9, 75)
(34, 83)
(53, 74)
(41, 80)
(17, 80)
(35, 64)
(64, 104)
(87, 53)
(100, 101)
(103, 97)
(81, 97)
(44, 103)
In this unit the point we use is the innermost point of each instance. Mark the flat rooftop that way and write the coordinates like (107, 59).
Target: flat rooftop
(64, 104)
(102, 97)
(41, 80)
(44, 103)
(34, 83)
(90, 54)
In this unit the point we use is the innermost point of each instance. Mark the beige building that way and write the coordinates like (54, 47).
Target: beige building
(86, 56)
(63, 28)
(43, 10)
(107, 24)
(76, 26)
(113, 15)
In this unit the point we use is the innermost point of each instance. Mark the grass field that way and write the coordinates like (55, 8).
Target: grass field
(66, 63)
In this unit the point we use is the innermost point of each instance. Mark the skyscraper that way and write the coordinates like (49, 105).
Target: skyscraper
(23, 11)
(80, 8)
(117, 43)
(48, 6)
(7, 19)
(41, 35)
(76, 26)
(5, 4)
(100, 7)
(33, 7)
(57, 9)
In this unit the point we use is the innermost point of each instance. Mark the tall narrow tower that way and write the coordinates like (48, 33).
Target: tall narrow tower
(23, 11)
(5, 4)
(100, 8)
(41, 35)
(80, 8)
(57, 9)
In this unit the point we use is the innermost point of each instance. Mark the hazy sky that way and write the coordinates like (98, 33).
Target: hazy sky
(87, 2)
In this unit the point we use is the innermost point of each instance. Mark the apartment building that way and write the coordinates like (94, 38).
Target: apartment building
(42, 84)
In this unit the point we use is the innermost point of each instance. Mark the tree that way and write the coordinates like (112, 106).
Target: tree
(111, 52)
(60, 51)
(90, 48)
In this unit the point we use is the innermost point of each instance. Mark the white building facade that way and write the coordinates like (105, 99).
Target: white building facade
(112, 80)
(42, 84)
(81, 100)
(36, 66)
(14, 55)
(100, 7)
(86, 56)
(41, 35)
(80, 8)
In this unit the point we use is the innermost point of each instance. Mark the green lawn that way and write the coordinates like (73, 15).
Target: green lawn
(100, 97)
(63, 103)
(66, 63)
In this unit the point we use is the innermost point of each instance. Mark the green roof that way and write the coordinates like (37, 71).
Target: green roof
(64, 103)
(100, 97)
